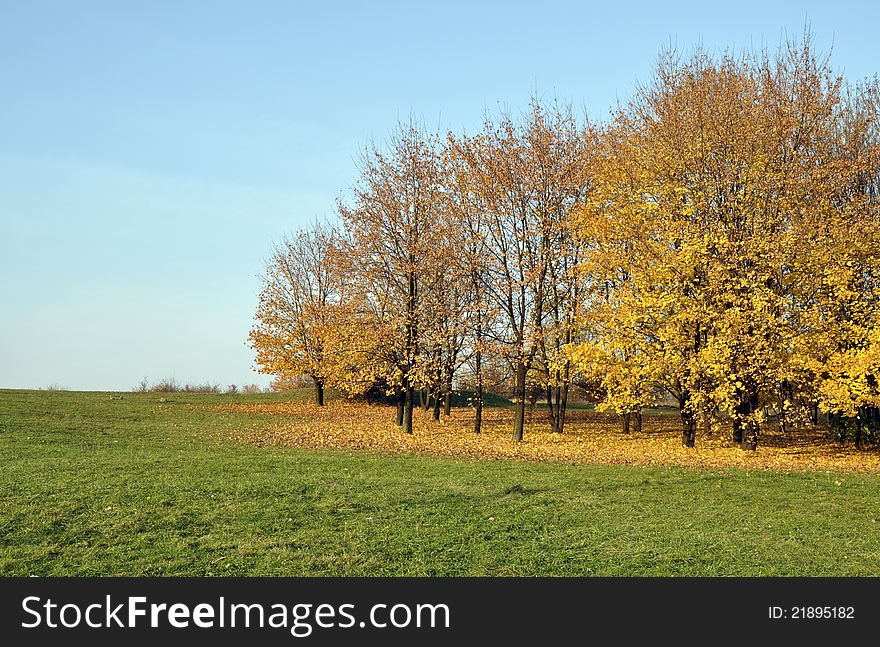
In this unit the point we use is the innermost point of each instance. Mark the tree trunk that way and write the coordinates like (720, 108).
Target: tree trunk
(551, 412)
(689, 430)
(737, 431)
(319, 393)
(688, 424)
(478, 416)
(520, 415)
(639, 422)
(748, 428)
(408, 411)
(559, 409)
(424, 398)
(447, 402)
(750, 436)
(739, 424)
(562, 409)
(624, 422)
(436, 413)
(400, 405)
(557, 400)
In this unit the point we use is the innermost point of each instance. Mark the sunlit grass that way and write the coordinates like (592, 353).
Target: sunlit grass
(136, 486)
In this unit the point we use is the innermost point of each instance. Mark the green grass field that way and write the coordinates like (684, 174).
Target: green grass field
(94, 486)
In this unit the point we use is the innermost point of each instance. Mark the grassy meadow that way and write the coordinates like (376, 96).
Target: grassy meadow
(190, 484)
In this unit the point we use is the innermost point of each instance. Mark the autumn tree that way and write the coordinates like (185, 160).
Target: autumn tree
(707, 184)
(566, 295)
(529, 174)
(840, 310)
(465, 211)
(450, 305)
(393, 249)
(301, 297)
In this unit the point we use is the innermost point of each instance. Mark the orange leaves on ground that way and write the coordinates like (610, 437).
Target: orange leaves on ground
(590, 437)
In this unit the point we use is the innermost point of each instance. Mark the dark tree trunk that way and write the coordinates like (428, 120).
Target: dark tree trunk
(319, 393)
(750, 436)
(437, 407)
(400, 405)
(748, 428)
(639, 422)
(562, 409)
(448, 371)
(411, 326)
(625, 419)
(478, 416)
(408, 411)
(520, 414)
(737, 431)
(689, 430)
(424, 399)
(557, 401)
(688, 424)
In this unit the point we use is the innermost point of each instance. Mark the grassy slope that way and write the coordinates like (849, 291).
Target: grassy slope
(91, 485)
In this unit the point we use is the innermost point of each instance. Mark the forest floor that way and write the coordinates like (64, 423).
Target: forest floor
(589, 437)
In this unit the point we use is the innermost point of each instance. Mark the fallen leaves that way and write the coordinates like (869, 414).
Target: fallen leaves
(590, 437)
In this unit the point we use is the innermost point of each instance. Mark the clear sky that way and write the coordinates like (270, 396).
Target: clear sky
(151, 152)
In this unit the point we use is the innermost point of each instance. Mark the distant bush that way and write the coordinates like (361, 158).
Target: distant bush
(170, 385)
(56, 387)
(201, 388)
(166, 386)
(281, 384)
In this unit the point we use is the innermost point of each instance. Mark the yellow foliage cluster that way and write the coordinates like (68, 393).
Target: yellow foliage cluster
(733, 234)
(590, 437)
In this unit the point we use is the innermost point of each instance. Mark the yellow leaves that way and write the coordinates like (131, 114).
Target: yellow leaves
(727, 254)
(590, 437)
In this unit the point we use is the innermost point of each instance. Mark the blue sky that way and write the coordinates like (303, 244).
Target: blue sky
(151, 152)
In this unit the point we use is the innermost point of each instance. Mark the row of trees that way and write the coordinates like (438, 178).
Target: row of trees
(717, 240)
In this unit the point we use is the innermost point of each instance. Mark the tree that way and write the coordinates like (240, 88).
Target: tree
(840, 313)
(467, 229)
(301, 296)
(393, 249)
(707, 187)
(529, 177)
